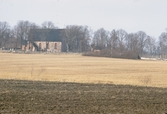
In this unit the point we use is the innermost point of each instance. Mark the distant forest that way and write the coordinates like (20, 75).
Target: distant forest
(82, 39)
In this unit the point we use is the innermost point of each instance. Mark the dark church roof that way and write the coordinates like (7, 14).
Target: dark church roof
(46, 35)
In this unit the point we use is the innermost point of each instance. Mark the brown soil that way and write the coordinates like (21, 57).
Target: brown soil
(36, 97)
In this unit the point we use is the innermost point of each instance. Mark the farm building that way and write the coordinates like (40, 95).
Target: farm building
(43, 40)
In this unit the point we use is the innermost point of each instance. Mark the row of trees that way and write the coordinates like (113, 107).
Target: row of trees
(115, 43)
(13, 37)
(118, 43)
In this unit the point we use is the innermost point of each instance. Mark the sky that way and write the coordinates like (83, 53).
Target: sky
(149, 16)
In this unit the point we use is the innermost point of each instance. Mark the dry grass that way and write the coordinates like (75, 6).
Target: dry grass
(77, 68)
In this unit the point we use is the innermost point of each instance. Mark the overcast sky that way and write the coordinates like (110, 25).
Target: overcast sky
(149, 16)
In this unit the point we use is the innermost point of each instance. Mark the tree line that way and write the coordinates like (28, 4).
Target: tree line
(82, 39)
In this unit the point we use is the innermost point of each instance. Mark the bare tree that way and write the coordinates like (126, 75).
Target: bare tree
(113, 41)
(163, 44)
(22, 30)
(122, 36)
(48, 25)
(142, 37)
(100, 39)
(32, 26)
(85, 39)
(4, 33)
(15, 36)
(76, 38)
(151, 46)
(132, 46)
